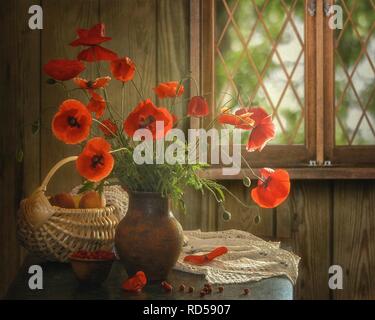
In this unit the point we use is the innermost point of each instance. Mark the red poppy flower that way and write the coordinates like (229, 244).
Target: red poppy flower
(108, 128)
(123, 69)
(88, 84)
(264, 130)
(72, 123)
(96, 104)
(91, 37)
(169, 89)
(198, 107)
(272, 189)
(63, 70)
(135, 283)
(145, 116)
(97, 53)
(95, 162)
(241, 119)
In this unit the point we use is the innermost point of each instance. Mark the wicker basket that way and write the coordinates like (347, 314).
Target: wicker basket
(53, 233)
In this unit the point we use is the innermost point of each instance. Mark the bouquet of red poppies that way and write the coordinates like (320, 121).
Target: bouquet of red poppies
(110, 138)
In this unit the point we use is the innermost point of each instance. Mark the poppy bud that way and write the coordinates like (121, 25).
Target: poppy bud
(227, 215)
(51, 81)
(246, 182)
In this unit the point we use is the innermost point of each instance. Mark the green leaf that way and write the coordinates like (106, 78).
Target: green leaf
(87, 186)
(100, 187)
(246, 182)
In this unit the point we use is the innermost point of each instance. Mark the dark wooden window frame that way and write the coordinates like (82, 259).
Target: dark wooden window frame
(340, 156)
(352, 162)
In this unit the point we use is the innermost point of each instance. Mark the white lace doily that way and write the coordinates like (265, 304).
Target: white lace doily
(249, 258)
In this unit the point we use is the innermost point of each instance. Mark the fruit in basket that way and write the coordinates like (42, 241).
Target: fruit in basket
(77, 198)
(91, 200)
(63, 200)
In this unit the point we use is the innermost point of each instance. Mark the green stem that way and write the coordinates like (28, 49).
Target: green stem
(141, 78)
(122, 99)
(118, 150)
(61, 83)
(251, 169)
(102, 124)
(109, 105)
(136, 88)
(236, 198)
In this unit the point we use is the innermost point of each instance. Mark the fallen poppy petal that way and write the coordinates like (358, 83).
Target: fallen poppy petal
(135, 283)
(217, 252)
(206, 258)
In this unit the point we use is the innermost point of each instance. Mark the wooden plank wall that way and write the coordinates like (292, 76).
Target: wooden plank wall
(325, 222)
(19, 103)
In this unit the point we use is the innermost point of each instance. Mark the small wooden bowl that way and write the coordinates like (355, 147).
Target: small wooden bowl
(91, 271)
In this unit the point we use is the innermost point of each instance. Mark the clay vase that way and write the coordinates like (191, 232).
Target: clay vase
(149, 238)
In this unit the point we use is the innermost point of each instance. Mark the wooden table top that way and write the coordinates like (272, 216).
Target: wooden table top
(59, 283)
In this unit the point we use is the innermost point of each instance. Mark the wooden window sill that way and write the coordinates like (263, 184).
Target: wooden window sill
(313, 173)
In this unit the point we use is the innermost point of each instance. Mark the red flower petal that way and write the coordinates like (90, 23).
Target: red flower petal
(96, 104)
(123, 69)
(198, 107)
(108, 128)
(80, 82)
(63, 70)
(241, 119)
(135, 283)
(263, 131)
(96, 53)
(95, 162)
(72, 123)
(247, 121)
(206, 258)
(90, 37)
(96, 84)
(169, 89)
(145, 116)
(273, 189)
(100, 82)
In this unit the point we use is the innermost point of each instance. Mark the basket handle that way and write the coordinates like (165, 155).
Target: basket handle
(56, 167)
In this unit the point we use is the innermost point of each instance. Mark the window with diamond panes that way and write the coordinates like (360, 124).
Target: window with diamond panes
(318, 82)
(259, 60)
(355, 74)
(350, 86)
